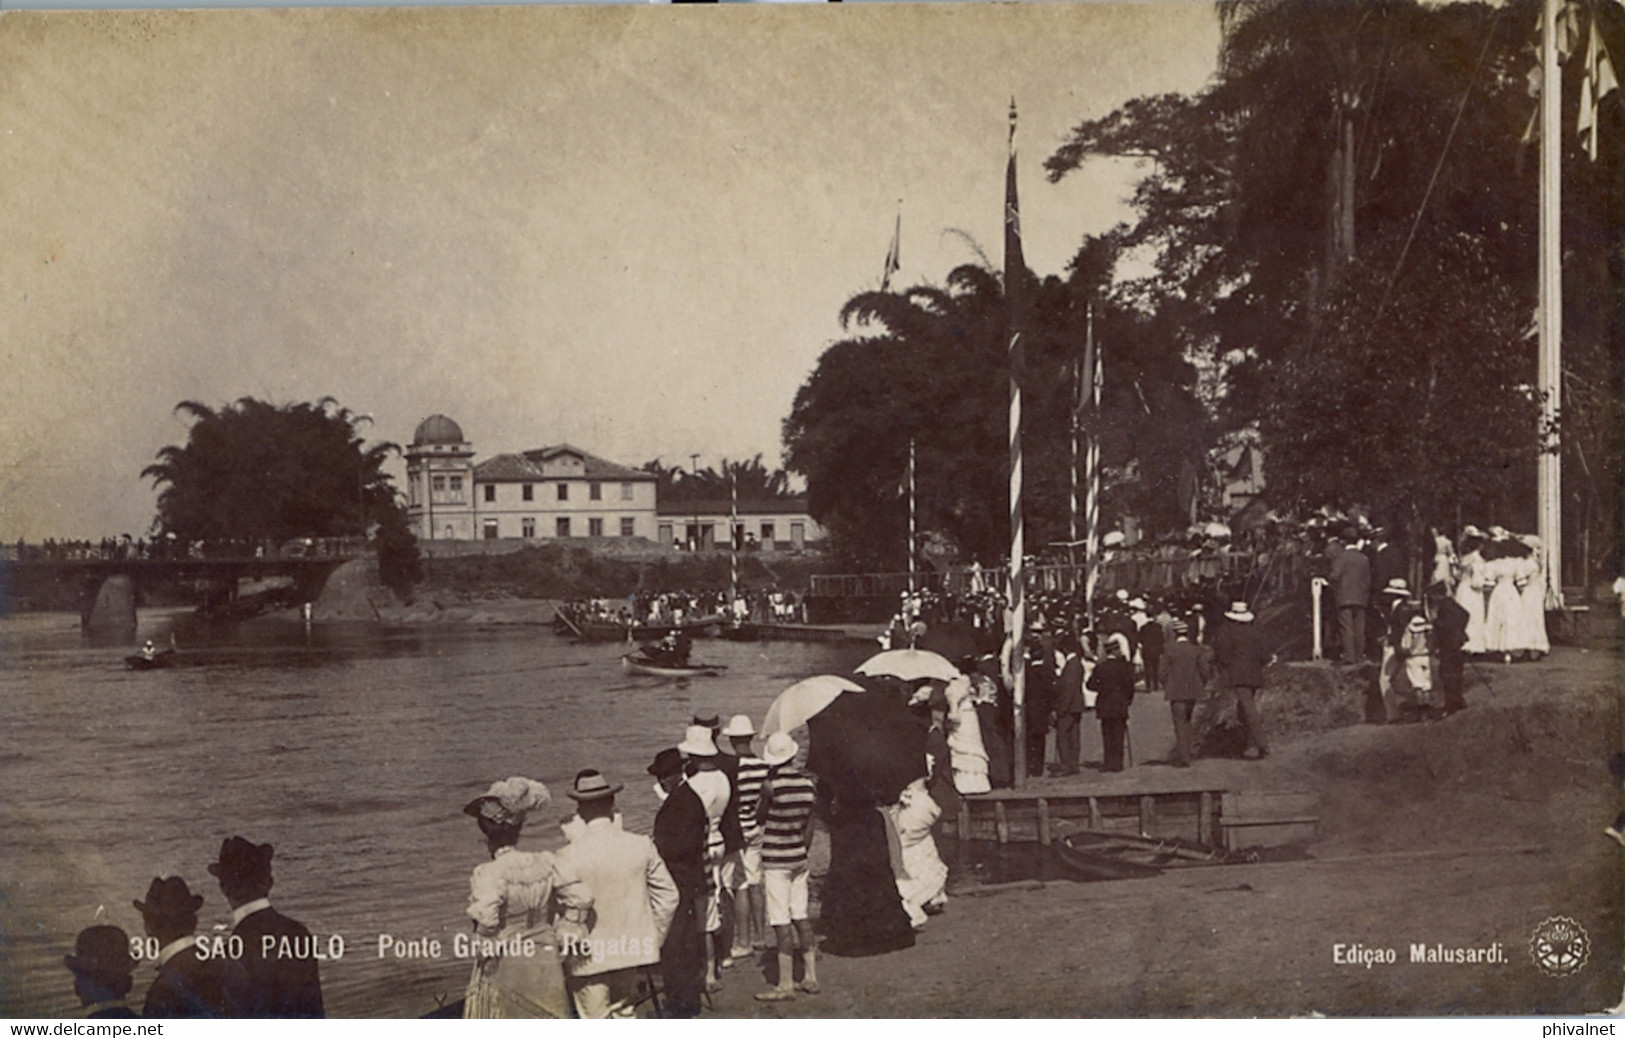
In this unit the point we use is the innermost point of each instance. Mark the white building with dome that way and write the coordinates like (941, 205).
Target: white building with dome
(550, 492)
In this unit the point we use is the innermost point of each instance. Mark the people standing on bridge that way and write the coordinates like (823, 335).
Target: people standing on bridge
(189, 984)
(1240, 656)
(278, 953)
(102, 969)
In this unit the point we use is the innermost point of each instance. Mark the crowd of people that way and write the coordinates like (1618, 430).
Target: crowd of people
(664, 608)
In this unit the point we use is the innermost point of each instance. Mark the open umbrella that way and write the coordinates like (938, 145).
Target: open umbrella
(802, 700)
(909, 665)
(952, 639)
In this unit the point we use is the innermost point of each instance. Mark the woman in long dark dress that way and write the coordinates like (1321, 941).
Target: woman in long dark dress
(866, 747)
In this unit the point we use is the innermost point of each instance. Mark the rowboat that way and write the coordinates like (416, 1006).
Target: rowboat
(635, 663)
(157, 661)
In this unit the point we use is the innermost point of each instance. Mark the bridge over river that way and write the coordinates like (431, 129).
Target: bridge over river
(106, 589)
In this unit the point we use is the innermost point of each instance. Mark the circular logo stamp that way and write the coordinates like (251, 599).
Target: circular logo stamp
(1559, 946)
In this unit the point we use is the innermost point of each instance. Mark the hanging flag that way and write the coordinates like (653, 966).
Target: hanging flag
(893, 255)
(1597, 81)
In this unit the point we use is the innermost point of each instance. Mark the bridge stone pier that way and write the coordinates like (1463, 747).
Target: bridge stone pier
(112, 611)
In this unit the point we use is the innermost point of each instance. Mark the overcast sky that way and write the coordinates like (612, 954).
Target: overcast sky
(631, 228)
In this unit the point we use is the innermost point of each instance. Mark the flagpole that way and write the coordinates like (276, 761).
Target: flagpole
(1072, 474)
(1091, 519)
(1549, 467)
(911, 520)
(733, 540)
(1013, 273)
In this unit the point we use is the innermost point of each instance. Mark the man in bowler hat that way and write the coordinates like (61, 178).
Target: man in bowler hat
(102, 972)
(680, 832)
(188, 984)
(278, 953)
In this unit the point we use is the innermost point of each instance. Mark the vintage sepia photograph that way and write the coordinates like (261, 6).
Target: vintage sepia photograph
(757, 511)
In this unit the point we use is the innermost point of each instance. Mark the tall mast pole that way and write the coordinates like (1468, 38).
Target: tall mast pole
(1549, 477)
(1094, 362)
(911, 516)
(1016, 627)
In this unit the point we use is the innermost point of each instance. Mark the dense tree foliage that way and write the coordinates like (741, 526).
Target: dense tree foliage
(1346, 222)
(755, 481)
(255, 472)
(930, 365)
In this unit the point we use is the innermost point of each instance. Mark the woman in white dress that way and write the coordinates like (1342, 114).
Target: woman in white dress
(1470, 589)
(1503, 614)
(519, 902)
(923, 890)
(1532, 600)
(966, 753)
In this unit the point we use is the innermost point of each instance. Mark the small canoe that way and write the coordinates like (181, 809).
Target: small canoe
(633, 663)
(156, 661)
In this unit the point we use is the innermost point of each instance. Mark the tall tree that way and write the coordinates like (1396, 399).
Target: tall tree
(255, 471)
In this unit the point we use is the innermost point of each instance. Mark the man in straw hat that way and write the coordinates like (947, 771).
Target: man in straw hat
(680, 837)
(634, 899)
(785, 811)
(1239, 654)
(279, 954)
(742, 868)
(188, 984)
(1185, 674)
(102, 972)
(710, 783)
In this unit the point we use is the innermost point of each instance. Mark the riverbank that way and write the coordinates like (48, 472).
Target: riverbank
(1464, 833)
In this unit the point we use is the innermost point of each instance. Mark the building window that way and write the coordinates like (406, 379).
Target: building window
(629, 526)
(595, 491)
(457, 485)
(561, 526)
(767, 533)
(564, 492)
(798, 535)
(626, 491)
(490, 492)
(527, 527)
(595, 527)
(527, 492)
(490, 529)
(439, 484)
(666, 534)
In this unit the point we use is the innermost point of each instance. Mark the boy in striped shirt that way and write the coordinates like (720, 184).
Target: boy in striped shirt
(785, 814)
(742, 869)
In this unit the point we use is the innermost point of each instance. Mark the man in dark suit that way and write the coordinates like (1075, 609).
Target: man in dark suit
(1185, 674)
(102, 972)
(189, 983)
(278, 953)
(1240, 655)
(1113, 684)
(1040, 695)
(680, 832)
(1069, 706)
(1351, 581)
(1449, 635)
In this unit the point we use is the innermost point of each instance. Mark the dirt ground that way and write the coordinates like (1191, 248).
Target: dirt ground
(1468, 832)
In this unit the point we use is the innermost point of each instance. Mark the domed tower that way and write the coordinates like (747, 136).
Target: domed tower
(440, 481)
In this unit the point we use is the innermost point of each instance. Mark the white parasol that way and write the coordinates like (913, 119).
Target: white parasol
(803, 700)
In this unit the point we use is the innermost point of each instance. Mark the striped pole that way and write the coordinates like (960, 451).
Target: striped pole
(1016, 630)
(1093, 362)
(1549, 369)
(733, 539)
(1072, 474)
(911, 516)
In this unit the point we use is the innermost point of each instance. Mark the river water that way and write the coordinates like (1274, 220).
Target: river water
(352, 750)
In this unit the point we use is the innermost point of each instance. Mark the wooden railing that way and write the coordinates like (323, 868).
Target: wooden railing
(1133, 574)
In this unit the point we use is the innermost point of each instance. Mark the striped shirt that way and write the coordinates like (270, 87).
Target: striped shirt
(783, 843)
(747, 791)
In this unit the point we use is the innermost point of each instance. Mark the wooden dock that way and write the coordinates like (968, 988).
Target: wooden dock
(1208, 817)
(798, 633)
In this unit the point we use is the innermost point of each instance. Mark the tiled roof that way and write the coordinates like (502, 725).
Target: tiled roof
(507, 467)
(527, 467)
(721, 506)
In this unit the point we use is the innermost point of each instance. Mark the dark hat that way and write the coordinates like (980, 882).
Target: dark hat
(242, 859)
(101, 951)
(667, 762)
(591, 785)
(708, 721)
(168, 897)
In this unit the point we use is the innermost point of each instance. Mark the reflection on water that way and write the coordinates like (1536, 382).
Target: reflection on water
(351, 750)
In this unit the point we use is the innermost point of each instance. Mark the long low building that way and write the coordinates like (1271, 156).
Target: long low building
(563, 491)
